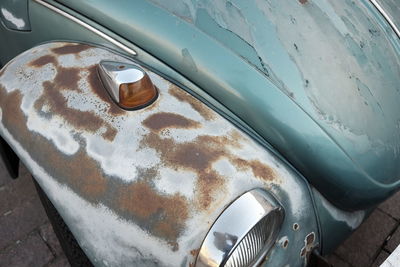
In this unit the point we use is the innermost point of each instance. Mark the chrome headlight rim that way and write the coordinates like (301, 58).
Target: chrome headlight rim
(237, 222)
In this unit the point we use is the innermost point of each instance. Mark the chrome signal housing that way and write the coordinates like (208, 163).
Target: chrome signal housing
(244, 232)
(129, 85)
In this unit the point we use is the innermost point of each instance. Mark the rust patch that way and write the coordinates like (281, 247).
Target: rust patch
(97, 87)
(163, 120)
(166, 215)
(259, 169)
(141, 200)
(12, 116)
(110, 133)
(310, 238)
(196, 156)
(83, 120)
(43, 60)
(303, 252)
(303, 2)
(194, 252)
(67, 78)
(308, 246)
(79, 171)
(70, 49)
(201, 108)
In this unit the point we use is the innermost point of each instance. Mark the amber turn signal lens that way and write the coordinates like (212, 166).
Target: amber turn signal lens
(137, 94)
(128, 84)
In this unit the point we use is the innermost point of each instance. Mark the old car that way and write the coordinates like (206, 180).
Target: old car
(202, 133)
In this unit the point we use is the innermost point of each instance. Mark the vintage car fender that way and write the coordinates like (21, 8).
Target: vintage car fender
(319, 80)
(144, 186)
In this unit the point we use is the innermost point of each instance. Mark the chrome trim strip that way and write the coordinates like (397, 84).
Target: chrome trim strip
(87, 26)
(386, 16)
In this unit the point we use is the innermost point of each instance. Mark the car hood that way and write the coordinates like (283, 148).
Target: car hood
(318, 80)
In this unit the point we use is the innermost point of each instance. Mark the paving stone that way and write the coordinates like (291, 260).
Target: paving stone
(394, 241)
(47, 233)
(335, 261)
(16, 192)
(4, 177)
(365, 243)
(60, 262)
(16, 224)
(392, 206)
(380, 259)
(29, 252)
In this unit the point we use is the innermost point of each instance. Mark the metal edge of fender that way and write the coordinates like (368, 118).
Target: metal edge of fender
(386, 16)
(87, 26)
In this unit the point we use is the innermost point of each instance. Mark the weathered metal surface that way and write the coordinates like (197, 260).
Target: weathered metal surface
(321, 78)
(136, 186)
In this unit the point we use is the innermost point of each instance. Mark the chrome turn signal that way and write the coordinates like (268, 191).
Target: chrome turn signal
(128, 85)
(244, 232)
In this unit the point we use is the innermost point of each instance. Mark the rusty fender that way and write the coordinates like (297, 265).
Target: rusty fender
(139, 186)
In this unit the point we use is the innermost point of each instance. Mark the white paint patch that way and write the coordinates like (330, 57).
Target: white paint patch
(17, 22)
(352, 219)
(54, 131)
(176, 182)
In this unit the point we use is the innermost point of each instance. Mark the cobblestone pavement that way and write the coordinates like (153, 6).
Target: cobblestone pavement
(26, 235)
(27, 238)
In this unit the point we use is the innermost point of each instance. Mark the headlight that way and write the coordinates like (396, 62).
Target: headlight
(244, 232)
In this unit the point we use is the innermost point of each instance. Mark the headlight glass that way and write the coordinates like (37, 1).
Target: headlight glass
(244, 232)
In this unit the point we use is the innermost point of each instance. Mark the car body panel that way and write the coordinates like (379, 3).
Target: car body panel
(138, 187)
(351, 159)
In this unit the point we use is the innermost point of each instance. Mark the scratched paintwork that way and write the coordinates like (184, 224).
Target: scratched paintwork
(134, 186)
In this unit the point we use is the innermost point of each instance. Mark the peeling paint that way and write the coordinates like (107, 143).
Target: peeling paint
(308, 247)
(332, 58)
(352, 219)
